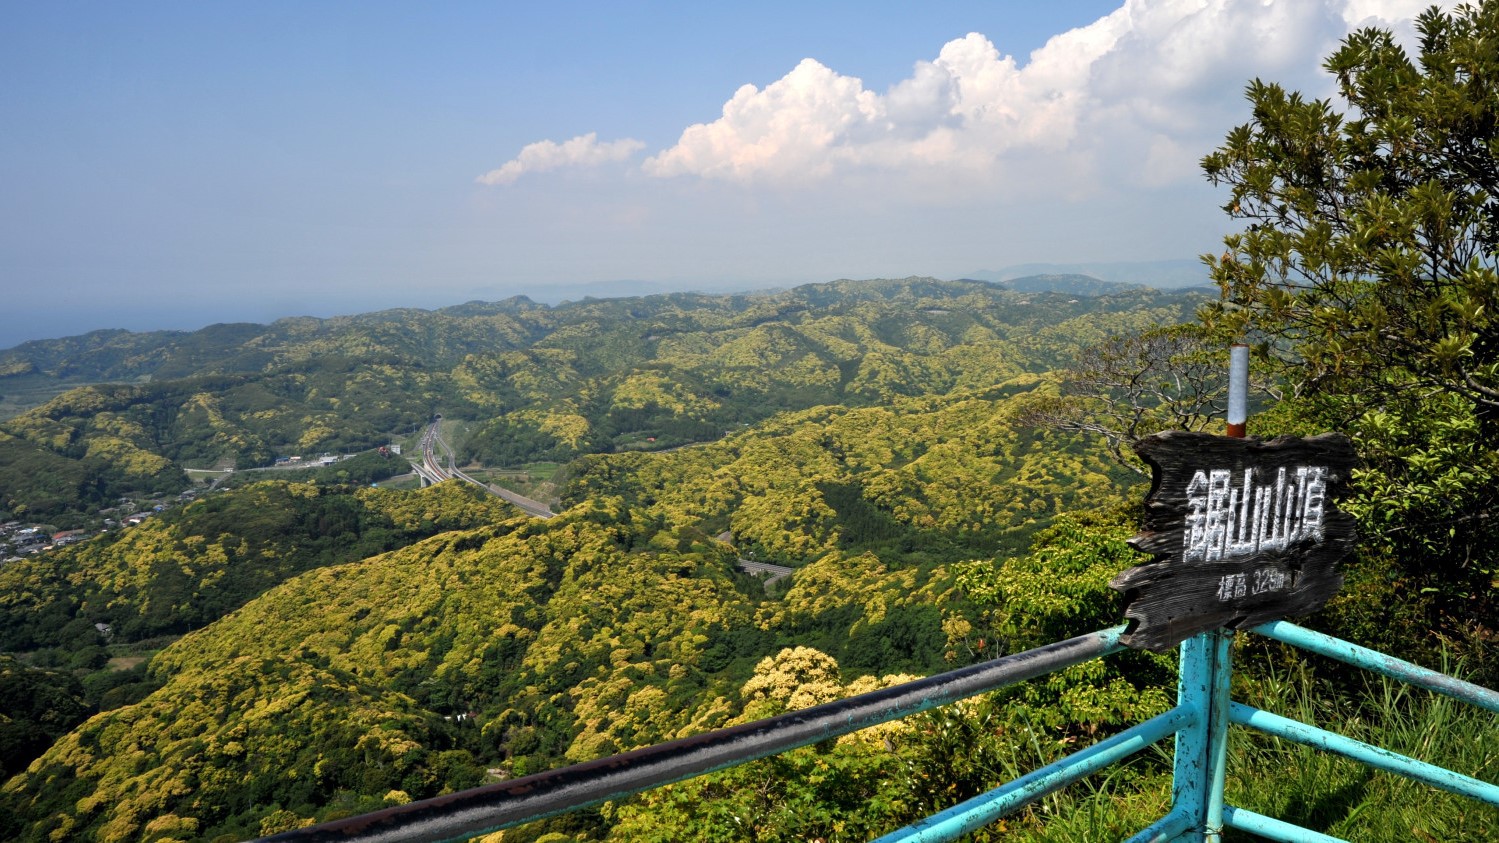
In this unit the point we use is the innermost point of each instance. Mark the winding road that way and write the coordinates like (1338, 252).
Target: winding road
(432, 470)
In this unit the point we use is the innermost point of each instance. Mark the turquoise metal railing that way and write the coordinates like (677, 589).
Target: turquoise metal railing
(1205, 712)
(1373, 756)
(1200, 722)
(1198, 773)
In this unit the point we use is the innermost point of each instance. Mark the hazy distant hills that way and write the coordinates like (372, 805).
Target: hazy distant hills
(446, 334)
(1161, 275)
(443, 336)
(537, 382)
(1071, 284)
(117, 355)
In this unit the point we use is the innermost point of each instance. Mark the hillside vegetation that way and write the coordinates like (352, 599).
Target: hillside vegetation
(278, 653)
(539, 383)
(864, 434)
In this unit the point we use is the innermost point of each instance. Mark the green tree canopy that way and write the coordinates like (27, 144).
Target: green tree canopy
(1368, 271)
(1372, 237)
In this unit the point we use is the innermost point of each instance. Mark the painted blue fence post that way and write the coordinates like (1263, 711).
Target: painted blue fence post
(1218, 720)
(1201, 750)
(1193, 693)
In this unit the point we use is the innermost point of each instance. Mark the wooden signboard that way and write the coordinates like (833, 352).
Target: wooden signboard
(1243, 532)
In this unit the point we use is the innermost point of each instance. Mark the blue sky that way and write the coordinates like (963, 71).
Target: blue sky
(175, 164)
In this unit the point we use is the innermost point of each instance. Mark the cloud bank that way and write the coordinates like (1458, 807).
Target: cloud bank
(1133, 99)
(581, 151)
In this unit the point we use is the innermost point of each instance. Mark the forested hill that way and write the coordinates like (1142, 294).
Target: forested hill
(349, 647)
(501, 649)
(445, 336)
(273, 654)
(117, 355)
(537, 383)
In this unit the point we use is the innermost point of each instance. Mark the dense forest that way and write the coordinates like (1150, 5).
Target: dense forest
(944, 466)
(282, 651)
(539, 383)
(871, 435)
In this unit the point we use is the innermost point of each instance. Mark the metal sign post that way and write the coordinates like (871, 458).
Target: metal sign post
(1201, 762)
(1241, 532)
(1216, 646)
(1238, 390)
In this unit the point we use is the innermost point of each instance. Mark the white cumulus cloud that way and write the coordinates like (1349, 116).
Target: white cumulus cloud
(1133, 99)
(581, 151)
(1136, 97)
(797, 125)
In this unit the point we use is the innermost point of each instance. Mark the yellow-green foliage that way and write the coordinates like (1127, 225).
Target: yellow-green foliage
(571, 429)
(452, 505)
(644, 389)
(527, 616)
(948, 472)
(540, 384)
(226, 740)
(510, 644)
(879, 779)
(186, 569)
(570, 639)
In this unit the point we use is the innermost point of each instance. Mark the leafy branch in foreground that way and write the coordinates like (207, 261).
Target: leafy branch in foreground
(1370, 262)
(1371, 238)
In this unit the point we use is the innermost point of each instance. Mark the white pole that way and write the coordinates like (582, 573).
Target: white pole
(1238, 390)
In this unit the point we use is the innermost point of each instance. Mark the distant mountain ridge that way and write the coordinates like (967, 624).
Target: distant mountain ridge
(225, 348)
(118, 413)
(444, 335)
(1161, 275)
(1069, 283)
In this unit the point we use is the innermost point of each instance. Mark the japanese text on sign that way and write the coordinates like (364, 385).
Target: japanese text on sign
(1239, 532)
(1261, 581)
(1225, 521)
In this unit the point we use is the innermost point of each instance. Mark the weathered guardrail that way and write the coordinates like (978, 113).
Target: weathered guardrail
(1199, 721)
